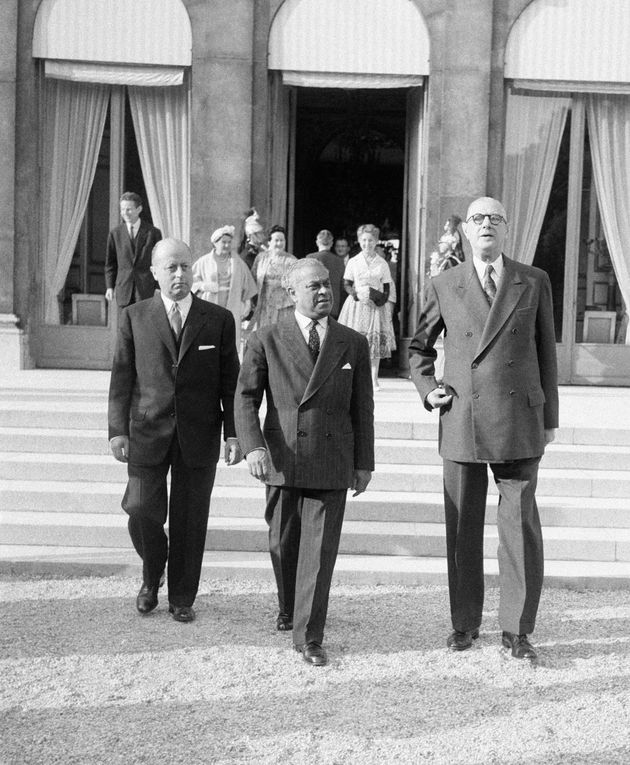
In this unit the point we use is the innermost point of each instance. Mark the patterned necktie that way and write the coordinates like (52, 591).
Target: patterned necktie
(489, 287)
(175, 319)
(313, 341)
(131, 235)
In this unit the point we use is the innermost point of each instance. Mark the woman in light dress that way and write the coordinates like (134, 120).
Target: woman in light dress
(223, 278)
(368, 280)
(269, 270)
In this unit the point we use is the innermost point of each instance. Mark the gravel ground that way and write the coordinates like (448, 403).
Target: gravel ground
(84, 679)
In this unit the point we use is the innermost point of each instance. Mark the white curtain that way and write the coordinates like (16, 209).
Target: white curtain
(279, 149)
(533, 131)
(162, 124)
(609, 130)
(76, 117)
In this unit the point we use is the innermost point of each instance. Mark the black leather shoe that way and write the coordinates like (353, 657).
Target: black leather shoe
(519, 645)
(284, 623)
(147, 598)
(313, 654)
(182, 613)
(460, 641)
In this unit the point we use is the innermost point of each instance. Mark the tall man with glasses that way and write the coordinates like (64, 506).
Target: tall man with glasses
(498, 406)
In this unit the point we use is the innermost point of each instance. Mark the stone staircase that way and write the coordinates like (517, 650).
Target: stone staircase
(60, 492)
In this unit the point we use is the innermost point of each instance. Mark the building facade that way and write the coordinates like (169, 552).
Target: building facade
(321, 114)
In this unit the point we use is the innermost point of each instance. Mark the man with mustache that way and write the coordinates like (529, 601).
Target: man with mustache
(317, 441)
(498, 405)
(171, 392)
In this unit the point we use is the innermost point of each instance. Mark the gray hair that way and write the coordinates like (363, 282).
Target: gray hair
(294, 273)
(369, 228)
(325, 237)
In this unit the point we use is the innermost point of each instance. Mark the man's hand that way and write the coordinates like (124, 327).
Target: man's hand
(360, 480)
(120, 448)
(233, 454)
(258, 463)
(438, 397)
(109, 294)
(550, 434)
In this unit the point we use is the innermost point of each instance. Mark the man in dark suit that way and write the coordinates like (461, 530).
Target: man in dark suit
(317, 441)
(498, 404)
(172, 388)
(128, 258)
(335, 266)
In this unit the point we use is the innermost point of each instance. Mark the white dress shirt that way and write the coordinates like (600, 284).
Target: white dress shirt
(304, 323)
(133, 229)
(481, 265)
(183, 305)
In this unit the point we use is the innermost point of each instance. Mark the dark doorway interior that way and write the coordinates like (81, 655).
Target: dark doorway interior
(349, 165)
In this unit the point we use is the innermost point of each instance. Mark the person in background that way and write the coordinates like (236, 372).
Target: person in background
(498, 404)
(367, 281)
(171, 393)
(253, 239)
(342, 249)
(269, 270)
(223, 278)
(335, 266)
(128, 274)
(317, 441)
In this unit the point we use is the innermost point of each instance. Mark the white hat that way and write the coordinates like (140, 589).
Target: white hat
(216, 235)
(252, 223)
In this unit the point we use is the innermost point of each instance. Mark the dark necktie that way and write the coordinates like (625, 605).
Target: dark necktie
(175, 319)
(313, 341)
(489, 287)
(131, 235)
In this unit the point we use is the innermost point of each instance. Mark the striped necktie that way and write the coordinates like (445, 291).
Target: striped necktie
(313, 340)
(175, 319)
(489, 287)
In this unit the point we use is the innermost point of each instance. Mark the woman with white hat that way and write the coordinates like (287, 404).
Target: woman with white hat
(224, 279)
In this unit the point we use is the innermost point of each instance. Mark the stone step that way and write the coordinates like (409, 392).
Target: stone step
(248, 501)
(358, 537)
(349, 569)
(388, 450)
(387, 477)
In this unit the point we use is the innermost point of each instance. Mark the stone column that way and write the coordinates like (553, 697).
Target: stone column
(221, 118)
(10, 335)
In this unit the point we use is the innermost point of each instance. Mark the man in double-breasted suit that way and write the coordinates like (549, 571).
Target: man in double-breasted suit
(171, 392)
(498, 404)
(317, 441)
(128, 258)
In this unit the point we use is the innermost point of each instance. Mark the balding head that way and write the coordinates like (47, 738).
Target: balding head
(171, 266)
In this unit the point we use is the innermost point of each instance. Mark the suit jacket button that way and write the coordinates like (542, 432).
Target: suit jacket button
(510, 363)
(301, 433)
(515, 331)
(328, 435)
(474, 366)
(469, 334)
(172, 414)
(512, 393)
(475, 395)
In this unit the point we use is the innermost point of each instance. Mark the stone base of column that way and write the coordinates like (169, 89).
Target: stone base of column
(13, 344)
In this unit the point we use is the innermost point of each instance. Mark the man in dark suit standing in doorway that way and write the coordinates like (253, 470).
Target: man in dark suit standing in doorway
(171, 392)
(317, 441)
(128, 274)
(498, 404)
(335, 266)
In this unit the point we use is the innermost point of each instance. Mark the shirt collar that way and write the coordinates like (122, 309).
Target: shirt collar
(305, 322)
(134, 227)
(183, 305)
(480, 267)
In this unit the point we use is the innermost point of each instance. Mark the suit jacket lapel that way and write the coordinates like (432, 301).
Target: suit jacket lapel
(291, 337)
(328, 359)
(509, 293)
(193, 324)
(471, 293)
(138, 244)
(162, 325)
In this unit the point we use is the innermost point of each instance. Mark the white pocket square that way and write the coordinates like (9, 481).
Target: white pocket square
(206, 347)
(346, 366)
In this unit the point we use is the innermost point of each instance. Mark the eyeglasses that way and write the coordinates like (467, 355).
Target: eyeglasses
(479, 218)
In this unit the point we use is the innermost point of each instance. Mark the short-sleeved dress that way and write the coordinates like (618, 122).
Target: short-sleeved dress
(363, 315)
(273, 300)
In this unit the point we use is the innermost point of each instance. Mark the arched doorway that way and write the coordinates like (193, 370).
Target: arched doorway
(114, 104)
(347, 106)
(566, 170)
